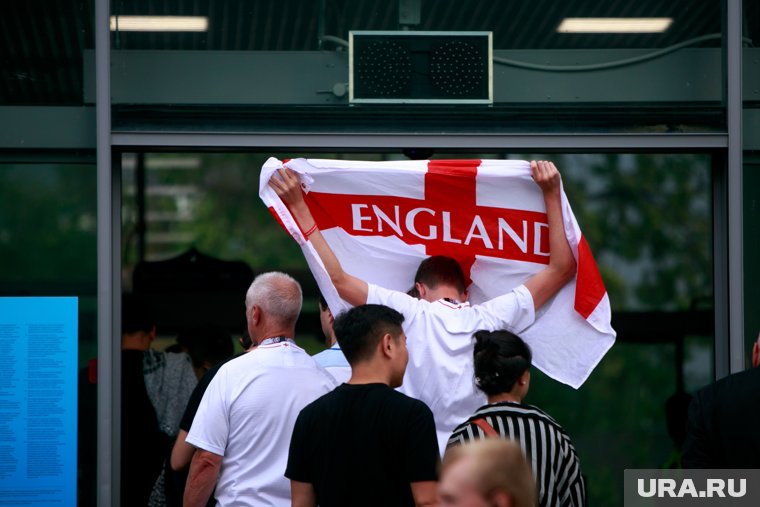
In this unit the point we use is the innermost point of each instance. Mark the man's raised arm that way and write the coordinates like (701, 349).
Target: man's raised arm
(546, 283)
(288, 187)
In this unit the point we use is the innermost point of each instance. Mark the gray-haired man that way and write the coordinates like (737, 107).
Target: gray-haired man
(243, 426)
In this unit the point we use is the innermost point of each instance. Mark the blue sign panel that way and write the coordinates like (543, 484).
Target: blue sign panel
(38, 401)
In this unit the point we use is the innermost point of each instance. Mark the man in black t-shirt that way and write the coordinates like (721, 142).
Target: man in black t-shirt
(365, 443)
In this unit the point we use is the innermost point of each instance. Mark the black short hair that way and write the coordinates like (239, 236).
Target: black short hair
(360, 329)
(501, 358)
(440, 270)
(136, 315)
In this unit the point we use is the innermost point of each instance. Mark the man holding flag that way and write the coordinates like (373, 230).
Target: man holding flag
(440, 325)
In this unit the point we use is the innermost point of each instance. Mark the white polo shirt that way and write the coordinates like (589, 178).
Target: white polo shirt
(335, 363)
(439, 337)
(247, 416)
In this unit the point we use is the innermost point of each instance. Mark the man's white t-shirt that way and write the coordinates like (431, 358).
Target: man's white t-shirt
(335, 363)
(247, 416)
(440, 342)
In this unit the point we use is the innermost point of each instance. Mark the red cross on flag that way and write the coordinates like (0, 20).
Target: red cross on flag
(382, 218)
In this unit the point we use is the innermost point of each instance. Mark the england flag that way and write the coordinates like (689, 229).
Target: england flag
(382, 218)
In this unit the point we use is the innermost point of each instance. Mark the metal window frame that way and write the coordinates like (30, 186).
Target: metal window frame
(109, 298)
(727, 210)
(384, 142)
(735, 167)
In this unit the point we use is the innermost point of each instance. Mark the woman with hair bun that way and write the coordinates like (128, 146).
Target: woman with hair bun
(502, 371)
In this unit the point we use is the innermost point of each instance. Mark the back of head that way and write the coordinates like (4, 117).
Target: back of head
(360, 329)
(495, 466)
(206, 343)
(440, 270)
(136, 315)
(278, 295)
(500, 359)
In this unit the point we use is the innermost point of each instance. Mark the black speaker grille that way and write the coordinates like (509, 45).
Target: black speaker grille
(385, 67)
(421, 67)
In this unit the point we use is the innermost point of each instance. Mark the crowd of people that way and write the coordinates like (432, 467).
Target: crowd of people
(417, 399)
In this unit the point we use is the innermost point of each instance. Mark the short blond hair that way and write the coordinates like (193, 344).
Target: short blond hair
(496, 465)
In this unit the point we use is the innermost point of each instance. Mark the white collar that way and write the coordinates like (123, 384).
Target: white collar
(276, 339)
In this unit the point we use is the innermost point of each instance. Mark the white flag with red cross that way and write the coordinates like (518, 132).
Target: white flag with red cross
(382, 218)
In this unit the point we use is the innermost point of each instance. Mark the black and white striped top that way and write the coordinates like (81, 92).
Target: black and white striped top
(546, 445)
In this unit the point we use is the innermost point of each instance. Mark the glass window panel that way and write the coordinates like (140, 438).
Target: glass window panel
(751, 33)
(300, 25)
(41, 51)
(48, 248)
(657, 267)
(286, 63)
(751, 252)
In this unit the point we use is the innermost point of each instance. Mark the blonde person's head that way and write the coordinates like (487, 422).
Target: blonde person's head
(486, 473)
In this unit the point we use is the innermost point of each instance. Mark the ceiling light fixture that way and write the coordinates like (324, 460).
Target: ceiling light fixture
(159, 23)
(614, 25)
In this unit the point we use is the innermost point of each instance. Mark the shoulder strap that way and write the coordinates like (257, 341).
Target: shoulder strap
(487, 428)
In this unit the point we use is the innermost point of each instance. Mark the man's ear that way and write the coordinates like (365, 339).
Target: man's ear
(465, 296)
(255, 314)
(421, 288)
(152, 334)
(386, 345)
(756, 355)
